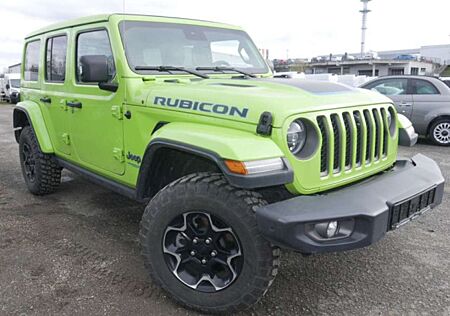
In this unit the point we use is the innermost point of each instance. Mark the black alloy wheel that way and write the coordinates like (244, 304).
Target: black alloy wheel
(202, 251)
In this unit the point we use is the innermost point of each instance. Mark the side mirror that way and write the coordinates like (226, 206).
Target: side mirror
(7, 86)
(94, 68)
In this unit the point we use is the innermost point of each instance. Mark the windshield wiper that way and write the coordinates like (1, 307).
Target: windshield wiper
(171, 68)
(223, 69)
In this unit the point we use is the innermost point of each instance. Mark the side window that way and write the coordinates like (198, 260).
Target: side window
(31, 67)
(390, 86)
(95, 43)
(55, 61)
(423, 87)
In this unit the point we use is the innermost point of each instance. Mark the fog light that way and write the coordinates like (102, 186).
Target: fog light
(327, 229)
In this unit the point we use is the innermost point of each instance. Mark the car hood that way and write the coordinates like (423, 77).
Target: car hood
(246, 99)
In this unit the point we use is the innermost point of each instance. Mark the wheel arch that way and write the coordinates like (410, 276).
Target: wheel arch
(28, 113)
(178, 149)
(159, 165)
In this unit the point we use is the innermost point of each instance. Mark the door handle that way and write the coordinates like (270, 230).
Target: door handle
(405, 104)
(74, 104)
(45, 100)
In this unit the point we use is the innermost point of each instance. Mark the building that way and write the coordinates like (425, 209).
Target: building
(439, 54)
(373, 67)
(426, 60)
(14, 68)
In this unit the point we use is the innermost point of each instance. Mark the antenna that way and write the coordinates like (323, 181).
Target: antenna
(364, 12)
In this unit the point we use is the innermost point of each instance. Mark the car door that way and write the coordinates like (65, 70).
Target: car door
(397, 90)
(426, 98)
(54, 92)
(96, 125)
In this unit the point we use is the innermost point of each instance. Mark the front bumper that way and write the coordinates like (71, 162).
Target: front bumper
(367, 210)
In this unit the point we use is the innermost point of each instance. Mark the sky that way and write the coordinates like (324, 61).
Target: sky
(288, 28)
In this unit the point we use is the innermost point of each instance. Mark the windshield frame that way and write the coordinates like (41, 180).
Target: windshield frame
(263, 71)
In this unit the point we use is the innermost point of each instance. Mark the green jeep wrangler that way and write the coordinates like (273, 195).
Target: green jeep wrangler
(185, 116)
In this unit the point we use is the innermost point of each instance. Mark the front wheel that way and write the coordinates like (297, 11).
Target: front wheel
(440, 132)
(201, 243)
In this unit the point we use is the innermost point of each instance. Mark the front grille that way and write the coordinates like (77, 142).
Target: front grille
(352, 139)
(403, 211)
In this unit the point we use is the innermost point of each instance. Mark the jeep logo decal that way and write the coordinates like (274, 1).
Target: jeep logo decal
(202, 106)
(134, 158)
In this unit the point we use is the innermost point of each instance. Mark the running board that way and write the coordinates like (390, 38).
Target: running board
(97, 179)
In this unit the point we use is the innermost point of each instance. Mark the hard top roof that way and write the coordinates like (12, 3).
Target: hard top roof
(120, 17)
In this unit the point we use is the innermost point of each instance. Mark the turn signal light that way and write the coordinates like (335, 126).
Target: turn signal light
(255, 166)
(236, 167)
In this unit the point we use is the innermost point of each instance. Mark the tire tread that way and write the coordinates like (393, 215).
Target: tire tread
(49, 176)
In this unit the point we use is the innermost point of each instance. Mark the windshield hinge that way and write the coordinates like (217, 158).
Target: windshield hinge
(119, 154)
(265, 124)
(117, 111)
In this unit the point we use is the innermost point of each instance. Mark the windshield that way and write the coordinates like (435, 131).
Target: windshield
(189, 46)
(15, 83)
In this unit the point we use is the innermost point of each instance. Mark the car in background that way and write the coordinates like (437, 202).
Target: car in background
(446, 80)
(424, 100)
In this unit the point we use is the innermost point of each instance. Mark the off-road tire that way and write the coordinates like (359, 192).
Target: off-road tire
(210, 192)
(434, 126)
(47, 172)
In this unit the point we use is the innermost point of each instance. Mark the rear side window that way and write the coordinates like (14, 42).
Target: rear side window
(55, 67)
(95, 43)
(423, 87)
(396, 86)
(31, 67)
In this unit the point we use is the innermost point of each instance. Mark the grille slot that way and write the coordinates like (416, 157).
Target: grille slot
(348, 140)
(369, 135)
(385, 132)
(378, 133)
(321, 120)
(359, 138)
(352, 139)
(337, 143)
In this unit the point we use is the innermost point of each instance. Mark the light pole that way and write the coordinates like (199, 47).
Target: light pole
(364, 12)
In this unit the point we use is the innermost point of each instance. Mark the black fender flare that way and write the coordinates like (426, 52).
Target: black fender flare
(241, 181)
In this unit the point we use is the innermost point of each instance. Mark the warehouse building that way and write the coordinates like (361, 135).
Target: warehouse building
(426, 60)
(373, 67)
(14, 68)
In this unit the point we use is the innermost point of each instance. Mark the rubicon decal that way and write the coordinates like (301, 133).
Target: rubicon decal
(202, 106)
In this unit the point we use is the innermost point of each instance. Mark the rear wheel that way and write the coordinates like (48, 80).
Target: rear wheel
(41, 171)
(201, 243)
(440, 132)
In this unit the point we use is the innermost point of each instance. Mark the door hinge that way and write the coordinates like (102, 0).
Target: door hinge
(119, 154)
(117, 111)
(66, 138)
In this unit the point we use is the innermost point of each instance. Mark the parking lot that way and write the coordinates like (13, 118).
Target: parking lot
(76, 251)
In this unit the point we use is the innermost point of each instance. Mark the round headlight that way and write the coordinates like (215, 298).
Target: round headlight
(296, 136)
